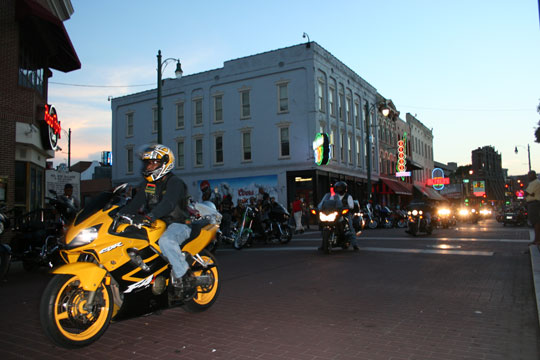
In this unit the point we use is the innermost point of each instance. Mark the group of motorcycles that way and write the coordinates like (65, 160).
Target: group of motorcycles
(36, 235)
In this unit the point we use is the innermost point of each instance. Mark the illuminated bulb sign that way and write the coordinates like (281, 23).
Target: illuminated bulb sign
(479, 188)
(321, 149)
(437, 179)
(50, 129)
(401, 164)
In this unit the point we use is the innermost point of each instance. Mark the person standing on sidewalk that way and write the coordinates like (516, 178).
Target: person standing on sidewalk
(532, 196)
(297, 210)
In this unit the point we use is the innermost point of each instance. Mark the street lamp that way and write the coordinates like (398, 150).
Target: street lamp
(385, 110)
(528, 153)
(160, 69)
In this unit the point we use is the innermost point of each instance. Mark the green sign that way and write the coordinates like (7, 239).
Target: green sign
(321, 149)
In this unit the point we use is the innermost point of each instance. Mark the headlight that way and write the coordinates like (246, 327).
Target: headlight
(443, 212)
(84, 237)
(463, 212)
(328, 218)
(415, 212)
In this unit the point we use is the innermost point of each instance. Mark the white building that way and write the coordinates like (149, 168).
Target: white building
(252, 122)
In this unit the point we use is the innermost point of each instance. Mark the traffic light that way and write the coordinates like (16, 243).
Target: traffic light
(466, 201)
(520, 184)
(506, 186)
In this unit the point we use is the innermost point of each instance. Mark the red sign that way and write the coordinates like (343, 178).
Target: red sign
(438, 181)
(52, 119)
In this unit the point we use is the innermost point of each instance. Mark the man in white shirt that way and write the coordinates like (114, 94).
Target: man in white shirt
(532, 196)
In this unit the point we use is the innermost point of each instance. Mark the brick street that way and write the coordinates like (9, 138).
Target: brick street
(398, 298)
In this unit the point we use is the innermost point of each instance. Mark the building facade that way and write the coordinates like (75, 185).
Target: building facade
(253, 122)
(34, 42)
(487, 166)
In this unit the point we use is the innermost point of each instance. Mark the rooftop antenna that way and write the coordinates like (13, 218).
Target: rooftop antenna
(308, 44)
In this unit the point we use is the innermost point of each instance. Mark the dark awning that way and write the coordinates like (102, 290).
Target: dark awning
(398, 187)
(411, 166)
(430, 193)
(44, 32)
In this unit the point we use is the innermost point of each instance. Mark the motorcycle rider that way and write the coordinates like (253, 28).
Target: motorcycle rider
(163, 195)
(347, 201)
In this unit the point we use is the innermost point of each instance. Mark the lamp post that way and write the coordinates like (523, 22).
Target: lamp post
(160, 68)
(528, 153)
(385, 110)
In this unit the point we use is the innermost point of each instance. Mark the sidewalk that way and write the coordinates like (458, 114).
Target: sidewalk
(535, 264)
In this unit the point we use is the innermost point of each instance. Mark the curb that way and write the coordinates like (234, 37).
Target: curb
(535, 264)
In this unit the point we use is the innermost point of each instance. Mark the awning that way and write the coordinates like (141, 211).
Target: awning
(434, 194)
(430, 193)
(398, 187)
(411, 166)
(43, 32)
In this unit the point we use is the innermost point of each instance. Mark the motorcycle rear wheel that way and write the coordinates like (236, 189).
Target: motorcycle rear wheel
(206, 296)
(63, 316)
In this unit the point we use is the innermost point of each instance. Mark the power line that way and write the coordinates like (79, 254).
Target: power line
(98, 86)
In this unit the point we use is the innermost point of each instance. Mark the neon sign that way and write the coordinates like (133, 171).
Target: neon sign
(437, 179)
(401, 163)
(321, 149)
(50, 128)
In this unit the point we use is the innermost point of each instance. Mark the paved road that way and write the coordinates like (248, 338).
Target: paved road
(461, 293)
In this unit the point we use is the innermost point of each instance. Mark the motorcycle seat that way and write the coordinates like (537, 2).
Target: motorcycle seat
(196, 227)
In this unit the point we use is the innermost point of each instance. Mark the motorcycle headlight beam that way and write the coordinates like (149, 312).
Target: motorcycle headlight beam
(328, 218)
(84, 237)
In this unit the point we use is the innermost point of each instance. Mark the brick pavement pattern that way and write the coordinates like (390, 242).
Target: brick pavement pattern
(307, 306)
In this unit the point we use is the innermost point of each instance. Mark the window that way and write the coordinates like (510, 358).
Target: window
(284, 147)
(322, 99)
(341, 108)
(218, 147)
(129, 124)
(332, 96)
(349, 148)
(180, 115)
(197, 104)
(332, 143)
(283, 98)
(244, 104)
(357, 115)
(348, 111)
(342, 147)
(130, 160)
(358, 153)
(246, 146)
(180, 154)
(30, 75)
(198, 152)
(154, 120)
(218, 108)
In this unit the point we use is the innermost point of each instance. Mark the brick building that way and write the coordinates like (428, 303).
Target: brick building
(34, 42)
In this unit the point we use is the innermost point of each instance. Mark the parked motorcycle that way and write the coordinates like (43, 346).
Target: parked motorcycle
(358, 219)
(369, 217)
(334, 224)
(244, 233)
(5, 249)
(114, 270)
(418, 222)
(515, 216)
(278, 225)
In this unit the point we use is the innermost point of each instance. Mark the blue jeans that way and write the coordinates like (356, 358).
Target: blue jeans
(169, 243)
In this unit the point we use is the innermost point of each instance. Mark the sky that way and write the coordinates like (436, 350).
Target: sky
(469, 70)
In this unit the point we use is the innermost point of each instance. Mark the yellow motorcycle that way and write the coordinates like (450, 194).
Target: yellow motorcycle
(115, 270)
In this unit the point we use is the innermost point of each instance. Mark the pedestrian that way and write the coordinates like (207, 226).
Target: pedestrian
(297, 210)
(227, 212)
(71, 203)
(532, 197)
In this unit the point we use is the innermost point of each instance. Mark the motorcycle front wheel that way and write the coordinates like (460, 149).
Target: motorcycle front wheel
(241, 239)
(326, 245)
(65, 316)
(286, 234)
(206, 295)
(373, 224)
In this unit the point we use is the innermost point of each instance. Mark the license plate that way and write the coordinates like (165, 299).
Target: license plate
(509, 217)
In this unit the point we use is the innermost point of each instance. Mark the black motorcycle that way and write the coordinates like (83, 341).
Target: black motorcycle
(278, 224)
(37, 235)
(5, 250)
(334, 224)
(418, 221)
